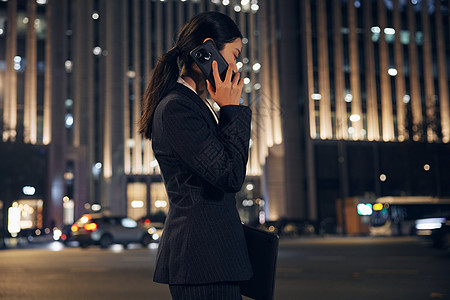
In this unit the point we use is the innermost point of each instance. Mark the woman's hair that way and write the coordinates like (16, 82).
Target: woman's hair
(213, 25)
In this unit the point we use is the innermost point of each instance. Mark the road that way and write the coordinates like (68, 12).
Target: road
(335, 268)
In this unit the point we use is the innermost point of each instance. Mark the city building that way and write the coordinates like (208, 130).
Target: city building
(349, 99)
(374, 99)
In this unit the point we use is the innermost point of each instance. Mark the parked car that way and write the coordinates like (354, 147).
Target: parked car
(444, 234)
(289, 227)
(156, 230)
(270, 226)
(154, 223)
(158, 217)
(66, 234)
(107, 230)
(437, 229)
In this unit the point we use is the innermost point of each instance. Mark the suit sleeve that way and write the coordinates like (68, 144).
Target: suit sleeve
(220, 158)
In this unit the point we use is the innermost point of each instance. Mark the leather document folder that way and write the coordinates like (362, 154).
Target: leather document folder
(263, 250)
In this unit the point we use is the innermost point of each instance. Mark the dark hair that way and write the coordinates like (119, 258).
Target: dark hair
(217, 26)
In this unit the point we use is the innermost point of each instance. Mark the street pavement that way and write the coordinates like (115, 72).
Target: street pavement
(314, 268)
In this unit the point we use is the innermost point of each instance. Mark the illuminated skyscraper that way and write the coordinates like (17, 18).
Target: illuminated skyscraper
(374, 95)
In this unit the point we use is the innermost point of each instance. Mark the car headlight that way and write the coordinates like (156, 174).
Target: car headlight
(429, 224)
(57, 234)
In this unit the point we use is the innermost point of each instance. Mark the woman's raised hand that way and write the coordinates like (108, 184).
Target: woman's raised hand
(227, 92)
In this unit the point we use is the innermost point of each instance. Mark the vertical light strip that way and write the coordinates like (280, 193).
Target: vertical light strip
(310, 71)
(324, 71)
(137, 155)
(47, 124)
(254, 45)
(267, 103)
(387, 121)
(159, 23)
(147, 55)
(373, 130)
(180, 12)
(79, 64)
(251, 46)
(107, 140)
(339, 79)
(259, 114)
(443, 76)
(430, 109)
(275, 110)
(169, 25)
(246, 72)
(159, 29)
(354, 71)
(30, 101)
(244, 54)
(128, 151)
(115, 62)
(77, 30)
(400, 85)
(10, 100)
(2, 102)
(416, 105)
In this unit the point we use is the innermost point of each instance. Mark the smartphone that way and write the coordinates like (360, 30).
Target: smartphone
(204, 55)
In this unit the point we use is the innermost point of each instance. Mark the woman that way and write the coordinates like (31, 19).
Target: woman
(203, 157)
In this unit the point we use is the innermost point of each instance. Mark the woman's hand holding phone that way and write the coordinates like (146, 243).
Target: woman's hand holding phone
(228, 91)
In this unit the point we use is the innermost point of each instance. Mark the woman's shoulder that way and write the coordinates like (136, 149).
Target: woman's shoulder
(179, 96)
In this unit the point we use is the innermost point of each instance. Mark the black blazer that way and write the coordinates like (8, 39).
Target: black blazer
(203, 165)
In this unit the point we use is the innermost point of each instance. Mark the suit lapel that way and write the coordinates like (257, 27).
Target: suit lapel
(199, 102)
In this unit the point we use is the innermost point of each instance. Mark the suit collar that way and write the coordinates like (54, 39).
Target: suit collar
(196, 99)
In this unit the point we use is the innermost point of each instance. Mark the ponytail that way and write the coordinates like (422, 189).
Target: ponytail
(163, 79)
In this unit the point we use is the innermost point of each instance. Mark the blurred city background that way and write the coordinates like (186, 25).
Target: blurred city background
(350, 129)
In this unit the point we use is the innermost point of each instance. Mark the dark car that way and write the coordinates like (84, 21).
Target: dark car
(289, 227)
(158, 217)
(107, 230)
(437, 229)
(444, 235)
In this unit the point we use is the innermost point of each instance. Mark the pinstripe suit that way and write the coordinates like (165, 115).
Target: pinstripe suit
(203, 165)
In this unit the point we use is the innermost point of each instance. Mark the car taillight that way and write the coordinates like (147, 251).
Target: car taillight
(74, 227)
(90, 227)
(147, 222)
(85, 218)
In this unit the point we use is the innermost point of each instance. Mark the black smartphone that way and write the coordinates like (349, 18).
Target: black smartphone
(204, 55)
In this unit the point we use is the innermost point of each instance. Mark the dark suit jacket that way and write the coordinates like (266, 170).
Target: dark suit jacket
(203, 165)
